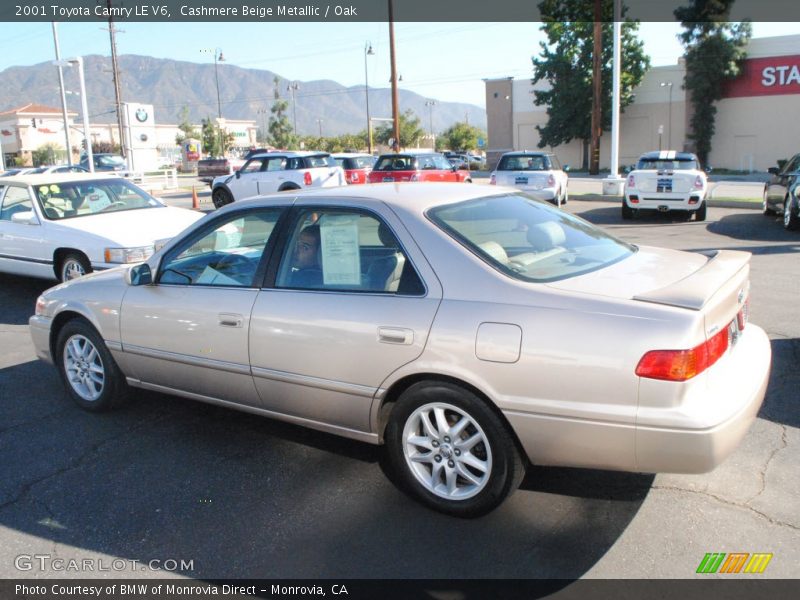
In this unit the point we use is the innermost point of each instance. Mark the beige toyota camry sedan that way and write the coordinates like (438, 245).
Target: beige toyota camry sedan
(470, 331)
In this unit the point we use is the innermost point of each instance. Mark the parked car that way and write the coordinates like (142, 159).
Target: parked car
(61, 226)
(58, 169)
(356, 166)
(209, 169)
(537, 173)
(277, 172)
(776, 191)
(17, 171)
(664, 181)
(437, 326)
(106, 162)
(411, 166)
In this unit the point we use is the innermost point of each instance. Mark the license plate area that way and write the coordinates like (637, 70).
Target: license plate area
(388, 178)
(664, 184)
(521, 180)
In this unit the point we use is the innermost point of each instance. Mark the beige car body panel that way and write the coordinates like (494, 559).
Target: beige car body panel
(557, 359)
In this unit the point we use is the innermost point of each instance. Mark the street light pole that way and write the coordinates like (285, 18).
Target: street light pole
(368, 52)
(395, 101)
(218, 58)
(78, 60)
(293, 87)
(319, 121)
(669, 118)
(430, 104)
(63, 95)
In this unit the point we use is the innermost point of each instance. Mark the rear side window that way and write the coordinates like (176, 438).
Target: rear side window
(320, 160)
(528, 239)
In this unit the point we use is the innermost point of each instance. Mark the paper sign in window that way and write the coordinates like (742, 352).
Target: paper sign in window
(341, 262)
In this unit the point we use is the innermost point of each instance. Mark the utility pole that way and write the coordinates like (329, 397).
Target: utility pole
(117, 85)
(430, 104)
(63, 95)
(293, 87)
(597, 89)
(395, 113)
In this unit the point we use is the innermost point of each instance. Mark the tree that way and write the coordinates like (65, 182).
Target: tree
(565, 62)
(48, 154)
(281, 133)
(410, 130)
(715, 50)
(105, 148)
(461, 137)
(187, 129)
(212, 135)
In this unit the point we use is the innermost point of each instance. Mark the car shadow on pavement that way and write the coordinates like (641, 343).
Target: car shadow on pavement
(755, 226)
(18, 297)
(248, 497)
(780, 404)
(612, 216)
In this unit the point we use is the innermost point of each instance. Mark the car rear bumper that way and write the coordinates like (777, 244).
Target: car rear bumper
(664, 202)
(712, 424)
(40, 334)
(547, 194)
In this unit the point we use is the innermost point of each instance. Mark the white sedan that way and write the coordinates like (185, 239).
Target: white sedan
(64, 226)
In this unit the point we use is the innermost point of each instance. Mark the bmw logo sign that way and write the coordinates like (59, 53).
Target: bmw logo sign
(141, 115)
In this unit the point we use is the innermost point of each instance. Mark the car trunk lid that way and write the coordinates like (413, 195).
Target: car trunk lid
(530, 179)
(668, 182)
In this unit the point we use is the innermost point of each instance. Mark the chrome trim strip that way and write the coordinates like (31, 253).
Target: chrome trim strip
(113, 345)
(594, 421)
(194, 361)
(370, 438)
(37, 261)
(352, 389)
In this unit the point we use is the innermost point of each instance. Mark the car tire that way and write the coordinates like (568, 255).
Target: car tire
(72, 266)
(445, 473)
(220, 197)
(627, 211)
(700, 213)
(565, 197)
(88, 371)
(289, 187)
(791, 220)
(765, 208)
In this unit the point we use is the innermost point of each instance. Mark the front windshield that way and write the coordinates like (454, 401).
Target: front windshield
(528, 239)
(85, 198)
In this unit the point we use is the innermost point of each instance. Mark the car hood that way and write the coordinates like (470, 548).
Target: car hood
(646, 270)
(132, 228)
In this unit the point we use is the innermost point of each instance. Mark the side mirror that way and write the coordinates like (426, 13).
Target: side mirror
(141, 275)
(773, 170)
(25, 218)
(708, 169)
(566, 168)
(237, 174)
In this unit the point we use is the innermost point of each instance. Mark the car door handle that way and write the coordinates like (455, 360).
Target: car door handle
(395, 335)
(230, 320)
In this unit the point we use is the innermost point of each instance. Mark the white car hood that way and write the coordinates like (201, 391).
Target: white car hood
(132, 228)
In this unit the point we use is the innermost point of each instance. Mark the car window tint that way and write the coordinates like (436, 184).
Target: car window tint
(346, 250)
(84, 198)
(362, 162)
(253, 166)
(653, 164)
(321, 160)
(276, 164)
(441, 162)
(227, 256)
(528, 239)
(17, 199)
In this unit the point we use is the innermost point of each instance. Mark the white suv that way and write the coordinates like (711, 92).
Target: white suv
(665, 181)
(537, 173)
(277, 172)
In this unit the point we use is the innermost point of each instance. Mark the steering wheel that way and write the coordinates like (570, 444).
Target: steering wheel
(233, 262)
(112, 205)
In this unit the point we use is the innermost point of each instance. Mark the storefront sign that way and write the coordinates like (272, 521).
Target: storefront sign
(776, 75)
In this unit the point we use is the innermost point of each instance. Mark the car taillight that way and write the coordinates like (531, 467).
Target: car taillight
(307, 178)
(414, 177)
(493, 179)
(680, 365)
(631, 181)
(551, 181)
(698, 183)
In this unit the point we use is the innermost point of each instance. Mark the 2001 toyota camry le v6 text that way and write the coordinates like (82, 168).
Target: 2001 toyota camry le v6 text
(470, 331)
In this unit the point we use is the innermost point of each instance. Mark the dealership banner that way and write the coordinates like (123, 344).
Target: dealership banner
(772, 76)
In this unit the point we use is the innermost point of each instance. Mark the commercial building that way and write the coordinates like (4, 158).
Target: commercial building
(757, 120)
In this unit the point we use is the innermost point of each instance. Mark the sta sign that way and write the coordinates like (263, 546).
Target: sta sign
(780, 75)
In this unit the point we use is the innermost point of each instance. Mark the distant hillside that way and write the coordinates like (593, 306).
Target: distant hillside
(171, 84)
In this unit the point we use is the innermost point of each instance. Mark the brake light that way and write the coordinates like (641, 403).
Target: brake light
(631, 181)
(698, 183)
(680, 365)
(493, 179)
(307, 178)
(551, 181)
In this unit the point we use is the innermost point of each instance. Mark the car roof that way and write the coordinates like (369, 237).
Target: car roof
(528, 153)
(418, 197)
(289, 153)
(667, 155)
(46, 178)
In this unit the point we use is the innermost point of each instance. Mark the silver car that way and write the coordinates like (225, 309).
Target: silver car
(469, 330)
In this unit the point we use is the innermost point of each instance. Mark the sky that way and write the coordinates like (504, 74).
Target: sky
(442, 61)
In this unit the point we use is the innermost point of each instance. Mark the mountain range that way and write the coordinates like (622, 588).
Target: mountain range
(169, 85)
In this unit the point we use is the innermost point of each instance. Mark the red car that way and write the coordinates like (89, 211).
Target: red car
(356, 166)
(406, 166)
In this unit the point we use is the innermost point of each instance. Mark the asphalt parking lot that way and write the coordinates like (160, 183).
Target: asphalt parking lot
(239, 496)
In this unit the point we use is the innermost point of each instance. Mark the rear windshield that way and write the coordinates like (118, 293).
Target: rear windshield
(528, 239)
(394, 162)
(655, 164)
(531, 162)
